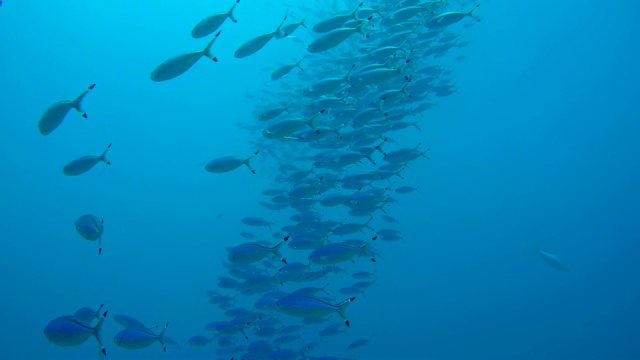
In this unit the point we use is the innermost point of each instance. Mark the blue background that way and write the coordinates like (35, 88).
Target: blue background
(538, 148)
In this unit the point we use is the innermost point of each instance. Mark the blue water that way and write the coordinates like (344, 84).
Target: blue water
(537, 148)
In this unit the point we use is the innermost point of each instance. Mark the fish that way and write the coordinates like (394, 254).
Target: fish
(335, 38)
(288, 29)
(90, 228)
(286, 69)
(210, 24)
(336, 21)
(254, 45)
(255, 221)
(87, 314)
(199, 340)
(70, 331)
(136, 338)
(55, 114)
(129, 322)
(83, 164)
(178, 65)
(358, 343)
(229, 163)
(337, 252)
(552, 260)
(249, 253)
(449, 18)
(312, 307)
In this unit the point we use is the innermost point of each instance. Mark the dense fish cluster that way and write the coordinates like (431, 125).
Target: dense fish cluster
(329, 119)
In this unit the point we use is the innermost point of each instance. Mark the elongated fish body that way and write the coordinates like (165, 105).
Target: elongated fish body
(178, 65)
(55, 114)
(254, 45)
(327, 86)
(271, 113)
(311, 307)
(82, 165)
(335, 253)
(289, 29)
(229, 163)
(129, 322)
(199, 340)
(250, 253)
(288, 127)
(553, 260)
(70, 331)
(286, 69)
(134, 338)
(335, 38)
(90, 228)
(211, 23)
(449, 18)
(86, 314)
(335, 22)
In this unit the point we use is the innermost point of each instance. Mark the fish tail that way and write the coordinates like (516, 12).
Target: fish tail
(472, 13)
(161, 337)
(279, 29)
(103, 157)
(276, 249)
(248, 164)
(207, 49)
(298, 64)
(342, 307)
(96, 333)
(354, 14)
(77, 103)
(230, 13)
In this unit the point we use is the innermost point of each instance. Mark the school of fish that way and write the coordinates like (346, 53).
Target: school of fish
(367, 73)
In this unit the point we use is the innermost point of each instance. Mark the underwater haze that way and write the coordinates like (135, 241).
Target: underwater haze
(432, 179)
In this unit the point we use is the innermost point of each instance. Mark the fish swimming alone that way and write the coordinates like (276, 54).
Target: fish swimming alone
(91, 228)
(229, 163)
(210, 24)
(178, 65)
(55, 114)
(81, 165)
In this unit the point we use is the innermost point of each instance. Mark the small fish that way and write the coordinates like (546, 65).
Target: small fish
(87, 314)
(81, 165)
(312, 307)
(552, 260)
(70, 331)
(286, 69)
(229, 163)
(211, 23)
(55, 114)
(90, 228)
(129, 322)
(358, 343)
(336, 21)
(178, 65)
(407, 190)
(199, 340)
(335, 38)
(250, 253)
(448, 18)
(134, 338)
(252, 46)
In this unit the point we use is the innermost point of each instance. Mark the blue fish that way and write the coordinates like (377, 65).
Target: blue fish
(71, 331)
(91, 228)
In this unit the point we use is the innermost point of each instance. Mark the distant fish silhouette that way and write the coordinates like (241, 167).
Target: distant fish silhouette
(552, 260)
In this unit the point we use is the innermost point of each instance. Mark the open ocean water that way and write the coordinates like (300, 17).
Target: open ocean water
(443, 188)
